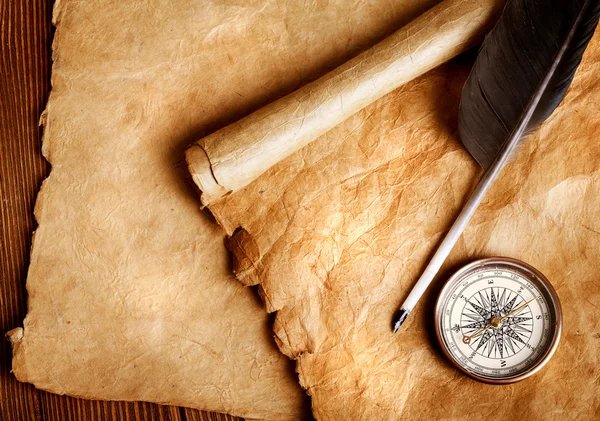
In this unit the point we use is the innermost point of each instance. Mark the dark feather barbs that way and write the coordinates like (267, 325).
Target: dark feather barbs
(513, 61)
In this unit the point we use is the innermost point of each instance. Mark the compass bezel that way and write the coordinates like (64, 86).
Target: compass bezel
(532, 275)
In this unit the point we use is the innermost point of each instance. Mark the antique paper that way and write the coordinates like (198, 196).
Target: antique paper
(236, 155)
(130, 292)
(336, 235)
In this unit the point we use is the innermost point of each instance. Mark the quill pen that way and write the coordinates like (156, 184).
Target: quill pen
(522, 73)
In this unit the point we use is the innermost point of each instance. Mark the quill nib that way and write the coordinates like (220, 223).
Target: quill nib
(399, 319)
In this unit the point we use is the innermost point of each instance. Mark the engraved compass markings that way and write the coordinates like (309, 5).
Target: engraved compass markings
(494, 303)
(517, 321)
(482, 320)
(509, 306)
(522, 331)
(510, 347)
(483, 339)
(476, 325)
(480, 310)
(499, 341)
(513, 335)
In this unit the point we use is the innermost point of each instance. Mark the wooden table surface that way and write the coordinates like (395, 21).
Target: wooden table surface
(25, 38)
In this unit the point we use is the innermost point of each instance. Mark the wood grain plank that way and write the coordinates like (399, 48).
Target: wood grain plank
(193, 415)
(25, 49)
(23, 92)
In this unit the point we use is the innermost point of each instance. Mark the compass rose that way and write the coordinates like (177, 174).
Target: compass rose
(499, 322)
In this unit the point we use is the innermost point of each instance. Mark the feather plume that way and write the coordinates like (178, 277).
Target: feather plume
(524, 68)
(514, 60)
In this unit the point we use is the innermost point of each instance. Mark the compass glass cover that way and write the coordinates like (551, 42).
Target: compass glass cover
(497, 321)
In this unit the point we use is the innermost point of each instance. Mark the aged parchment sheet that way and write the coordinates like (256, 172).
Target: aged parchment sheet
(336, 235)
(130, 295)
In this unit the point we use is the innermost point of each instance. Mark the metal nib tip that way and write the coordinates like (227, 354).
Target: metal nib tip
(399, 319)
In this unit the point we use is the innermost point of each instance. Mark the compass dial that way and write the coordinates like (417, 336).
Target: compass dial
(498, 320)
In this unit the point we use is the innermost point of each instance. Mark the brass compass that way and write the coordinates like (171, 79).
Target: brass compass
(498, 320)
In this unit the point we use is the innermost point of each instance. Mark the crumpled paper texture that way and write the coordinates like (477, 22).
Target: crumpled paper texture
(130, 291)
(337, 234)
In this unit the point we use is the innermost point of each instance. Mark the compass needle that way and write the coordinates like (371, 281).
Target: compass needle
(521, 307)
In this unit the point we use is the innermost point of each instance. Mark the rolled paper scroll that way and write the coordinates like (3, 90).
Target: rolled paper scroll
(233, 157)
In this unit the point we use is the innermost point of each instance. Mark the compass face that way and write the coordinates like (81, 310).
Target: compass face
(498, 320)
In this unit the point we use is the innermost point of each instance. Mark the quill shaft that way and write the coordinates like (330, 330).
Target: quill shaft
(483, 186)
